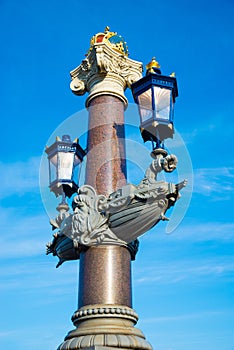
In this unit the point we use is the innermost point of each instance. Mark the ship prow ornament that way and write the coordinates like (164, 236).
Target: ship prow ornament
(121, 217)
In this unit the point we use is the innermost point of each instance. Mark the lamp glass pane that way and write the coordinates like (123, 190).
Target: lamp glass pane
(53, 168)
(65, 165)
(145, 106)
(76, 160)
(54, 159)
(162, 103)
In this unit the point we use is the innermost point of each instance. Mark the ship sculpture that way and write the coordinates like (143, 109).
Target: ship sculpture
(118, 219)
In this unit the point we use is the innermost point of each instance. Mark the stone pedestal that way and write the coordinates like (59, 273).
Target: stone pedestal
(107, 328)
(107, 333)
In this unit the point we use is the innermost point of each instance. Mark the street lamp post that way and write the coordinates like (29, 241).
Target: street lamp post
(109, 214)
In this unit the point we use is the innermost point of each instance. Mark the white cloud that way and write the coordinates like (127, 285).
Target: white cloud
(24, 264)
(23, 276)
(211, 127)
(40, 337)
(185, 317)
(205, 231)
(215, 182)
(193, 231)
(23, 235)
(9, 333)
(20, 177)
(174, 272)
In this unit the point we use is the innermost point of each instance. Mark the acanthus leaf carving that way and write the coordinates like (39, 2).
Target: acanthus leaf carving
(100, 61)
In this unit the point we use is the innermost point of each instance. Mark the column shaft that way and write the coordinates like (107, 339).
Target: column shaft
(106, 159)
(105, 271)
(105, 276)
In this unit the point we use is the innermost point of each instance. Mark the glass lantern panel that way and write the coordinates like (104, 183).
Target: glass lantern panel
(54, 159)
(65, 165)
(76, 173)
(76, 160)
(145, 105)
(162, 103)
(53, 168)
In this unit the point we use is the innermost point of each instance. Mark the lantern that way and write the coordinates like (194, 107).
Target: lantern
(155, 95)
(64, 155)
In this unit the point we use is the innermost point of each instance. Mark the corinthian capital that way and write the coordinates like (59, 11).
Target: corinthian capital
(105, 72)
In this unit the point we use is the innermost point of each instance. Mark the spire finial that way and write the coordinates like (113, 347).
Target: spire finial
(107, 29)
(153, 66)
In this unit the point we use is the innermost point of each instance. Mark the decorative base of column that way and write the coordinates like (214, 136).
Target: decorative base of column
(102, 327)
(102, 348)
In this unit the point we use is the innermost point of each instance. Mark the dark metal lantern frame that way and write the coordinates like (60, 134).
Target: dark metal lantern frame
(155, 128)
(63, 156)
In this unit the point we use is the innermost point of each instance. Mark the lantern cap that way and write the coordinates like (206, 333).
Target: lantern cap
(152, 79)
(66, 145)
(112, 39)
(153, 67)
(66, 138)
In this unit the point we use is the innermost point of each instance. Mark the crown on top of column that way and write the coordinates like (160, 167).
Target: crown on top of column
(107, 69)
(112, 39)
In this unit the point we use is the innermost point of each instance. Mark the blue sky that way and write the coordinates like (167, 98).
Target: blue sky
(182, 282)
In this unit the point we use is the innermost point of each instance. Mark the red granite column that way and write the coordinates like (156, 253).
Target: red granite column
(105, 276)
(106, 164)
(105, 271)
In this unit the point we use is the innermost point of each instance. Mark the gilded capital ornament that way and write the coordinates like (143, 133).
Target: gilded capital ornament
(105, 71)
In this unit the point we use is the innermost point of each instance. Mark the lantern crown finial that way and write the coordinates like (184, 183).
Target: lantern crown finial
(66, 138)
(112, 39)
(107, 29)
(153, 67)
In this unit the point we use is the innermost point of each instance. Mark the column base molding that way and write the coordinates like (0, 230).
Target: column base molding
(102, 348)
(112, 328)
